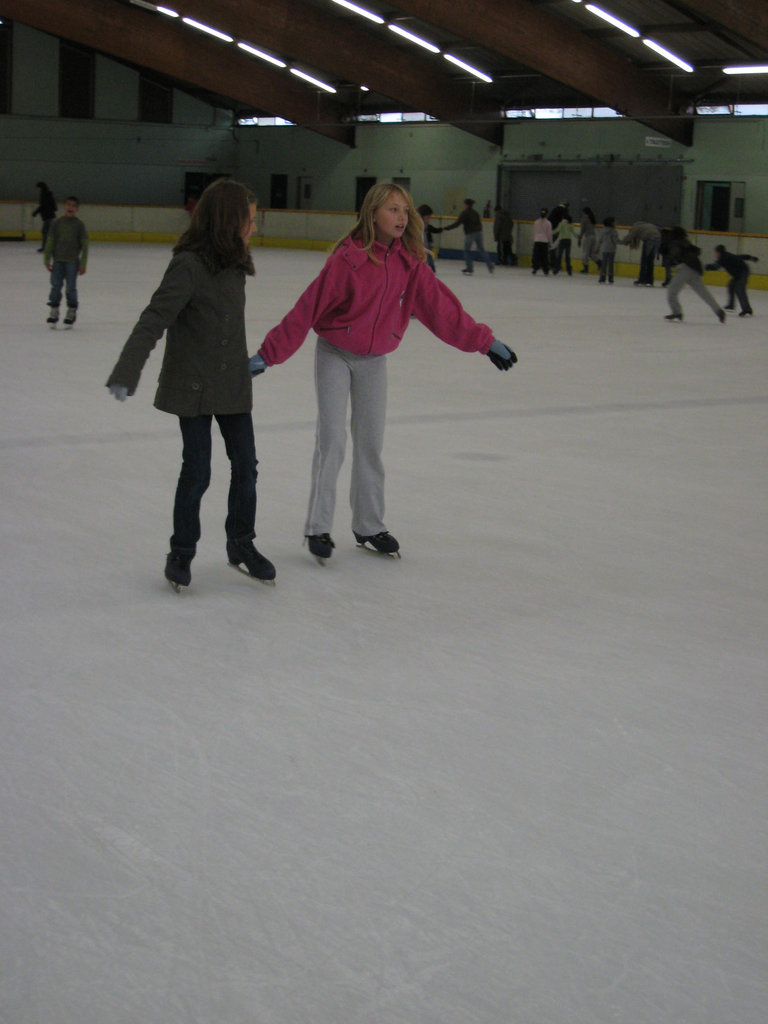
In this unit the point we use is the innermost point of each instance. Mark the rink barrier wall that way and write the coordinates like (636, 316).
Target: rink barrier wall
(318, 229)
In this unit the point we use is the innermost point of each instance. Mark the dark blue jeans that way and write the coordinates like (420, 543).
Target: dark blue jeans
(648, 254)
(64, 271)
(195, 476)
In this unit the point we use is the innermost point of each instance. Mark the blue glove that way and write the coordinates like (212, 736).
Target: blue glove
(256, 365)
(501, 356)
(120, 391)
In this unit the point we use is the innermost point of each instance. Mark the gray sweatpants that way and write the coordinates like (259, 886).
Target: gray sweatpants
(687, 275)
(341, 377)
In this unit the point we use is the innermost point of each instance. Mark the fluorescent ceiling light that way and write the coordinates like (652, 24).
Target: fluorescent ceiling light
(754, 69)
(167, 12)
(360, 10)
(414, 39)
(144, 4)
(668, 55)
(313, 81)
(263, 56)
(468, 67)
(613, 21)
(207, 28)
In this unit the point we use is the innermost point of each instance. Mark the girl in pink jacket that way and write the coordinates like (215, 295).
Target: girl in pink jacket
(374, 280)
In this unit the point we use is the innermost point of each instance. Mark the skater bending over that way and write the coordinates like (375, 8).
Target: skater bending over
(205, 374)
(374, 280)
(685, 255)
(738, 268)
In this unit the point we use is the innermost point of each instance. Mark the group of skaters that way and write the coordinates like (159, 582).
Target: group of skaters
(554, 233)
(204, 286)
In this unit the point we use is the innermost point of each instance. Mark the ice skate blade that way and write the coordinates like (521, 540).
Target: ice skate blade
(319, 560)
(372, 550)
(175, 587)
(237, 568)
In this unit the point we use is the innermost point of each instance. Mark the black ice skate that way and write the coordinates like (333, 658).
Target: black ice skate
(70, 317)
(321, 546)
(243, 553)
(678, 316)
(53, 317)
(383, 543)
(177, 570)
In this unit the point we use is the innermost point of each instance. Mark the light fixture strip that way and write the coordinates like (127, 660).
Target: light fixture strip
(261, 55)
(668, 55)
(613, 21)
(360, 10)
(208, 29)
(468, 67)
(313, 81)
(414, 39)
(753, 69)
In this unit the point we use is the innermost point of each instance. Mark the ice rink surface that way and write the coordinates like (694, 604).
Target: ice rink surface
(517, 777)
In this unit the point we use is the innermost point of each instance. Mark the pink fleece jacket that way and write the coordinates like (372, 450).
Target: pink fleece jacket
(365, 307)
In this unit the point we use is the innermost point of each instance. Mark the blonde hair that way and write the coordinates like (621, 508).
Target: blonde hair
(365, 230)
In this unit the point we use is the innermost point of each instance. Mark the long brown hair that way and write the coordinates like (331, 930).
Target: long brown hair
(215, 233)
(364, 229)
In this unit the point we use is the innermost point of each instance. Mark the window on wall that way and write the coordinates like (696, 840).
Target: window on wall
(76, 80)
(6, 49)
(155, 101)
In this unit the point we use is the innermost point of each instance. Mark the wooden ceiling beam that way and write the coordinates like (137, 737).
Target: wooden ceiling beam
(532, 36)
(156, 43)
(745, 18)
(340, 47)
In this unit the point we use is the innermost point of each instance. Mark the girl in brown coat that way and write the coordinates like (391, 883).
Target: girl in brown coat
(205, 374)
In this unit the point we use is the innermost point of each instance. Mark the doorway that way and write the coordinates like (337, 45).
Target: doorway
(195, 183)
(278, 191)
(362, 187)
(720, 206)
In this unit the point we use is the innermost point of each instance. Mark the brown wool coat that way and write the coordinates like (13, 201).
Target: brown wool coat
(205, 365)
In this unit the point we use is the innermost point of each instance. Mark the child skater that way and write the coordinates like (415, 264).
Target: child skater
(609, 239)
(205, 372)
(65, 257)
(360, 305)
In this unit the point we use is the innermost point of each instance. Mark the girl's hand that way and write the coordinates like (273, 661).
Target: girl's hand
(501, 356)
(256, 365)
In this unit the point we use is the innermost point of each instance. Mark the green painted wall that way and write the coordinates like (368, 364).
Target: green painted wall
(115, 159)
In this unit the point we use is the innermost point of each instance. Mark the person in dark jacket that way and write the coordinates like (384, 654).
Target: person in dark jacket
(737, 266)
(205, 373)
(469, 219)
(502, 234)
(46, 209)
(426, 213)
(685, 255)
